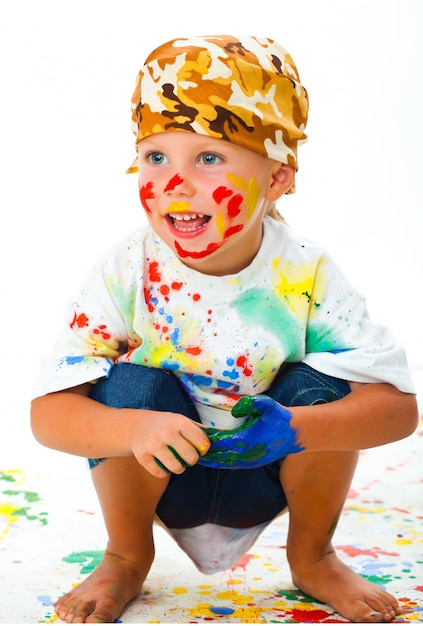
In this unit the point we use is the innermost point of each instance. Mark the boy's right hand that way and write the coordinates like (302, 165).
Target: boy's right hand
(167, 443)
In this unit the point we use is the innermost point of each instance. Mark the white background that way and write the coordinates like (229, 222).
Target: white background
(67, 72)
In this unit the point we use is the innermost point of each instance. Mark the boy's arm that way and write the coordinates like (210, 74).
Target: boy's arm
(72, 422)
(371, 415)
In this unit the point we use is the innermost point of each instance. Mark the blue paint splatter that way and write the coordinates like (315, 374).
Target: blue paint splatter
(221, 610)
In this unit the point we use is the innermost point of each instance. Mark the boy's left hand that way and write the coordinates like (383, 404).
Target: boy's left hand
(266, 436)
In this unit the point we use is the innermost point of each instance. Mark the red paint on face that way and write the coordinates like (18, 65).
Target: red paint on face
(146, 193)
(234, 206)
(174, 182)
(212, 247)
(233, 230)
(221, 193)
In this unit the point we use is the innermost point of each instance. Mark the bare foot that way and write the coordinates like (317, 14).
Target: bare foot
(332, 582)
(103, 596)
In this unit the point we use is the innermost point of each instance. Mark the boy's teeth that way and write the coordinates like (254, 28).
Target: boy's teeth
(185, 217)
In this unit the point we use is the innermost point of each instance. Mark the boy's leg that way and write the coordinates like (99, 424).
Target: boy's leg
(316, 485)
(129, 496)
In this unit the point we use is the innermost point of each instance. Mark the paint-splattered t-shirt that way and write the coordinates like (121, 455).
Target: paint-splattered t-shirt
(222, 336)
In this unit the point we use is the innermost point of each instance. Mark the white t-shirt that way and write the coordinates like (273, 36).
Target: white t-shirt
(222, 336)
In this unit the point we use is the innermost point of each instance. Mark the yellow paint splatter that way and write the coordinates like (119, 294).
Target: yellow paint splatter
(403, 542)
(234, 597)
(7, 515)
(180, 590)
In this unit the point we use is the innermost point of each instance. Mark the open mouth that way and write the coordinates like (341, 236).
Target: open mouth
(188, 223)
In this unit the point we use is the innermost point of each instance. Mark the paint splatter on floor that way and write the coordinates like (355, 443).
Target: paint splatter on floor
(52, 537)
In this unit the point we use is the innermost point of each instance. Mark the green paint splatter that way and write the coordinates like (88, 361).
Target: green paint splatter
(30, 496)
(9, 475)
(88, 560)
(23, 512)
(297, 596)
(378, 580)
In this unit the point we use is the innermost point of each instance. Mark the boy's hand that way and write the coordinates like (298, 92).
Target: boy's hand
(265, 437)
(167, 443)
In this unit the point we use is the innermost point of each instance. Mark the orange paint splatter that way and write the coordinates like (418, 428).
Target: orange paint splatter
(79, 320)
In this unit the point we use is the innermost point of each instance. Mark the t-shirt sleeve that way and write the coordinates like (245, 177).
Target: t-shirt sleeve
(342, 341)
(95, 333)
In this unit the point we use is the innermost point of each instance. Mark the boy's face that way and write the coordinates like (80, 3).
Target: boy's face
(205, 198)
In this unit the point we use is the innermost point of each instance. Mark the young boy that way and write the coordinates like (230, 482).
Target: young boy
(188, 342)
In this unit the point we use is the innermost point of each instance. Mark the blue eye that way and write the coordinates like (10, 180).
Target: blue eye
(157, 158)
(209, 158)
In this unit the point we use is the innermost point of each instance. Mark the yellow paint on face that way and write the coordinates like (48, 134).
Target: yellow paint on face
(178, 207)
(220, 224)
(251, 188)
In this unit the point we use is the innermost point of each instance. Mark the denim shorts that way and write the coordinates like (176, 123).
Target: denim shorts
(228, 497)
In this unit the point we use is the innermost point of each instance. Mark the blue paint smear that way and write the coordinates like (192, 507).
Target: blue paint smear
(221, 610)
(167, 365)
(74, 360)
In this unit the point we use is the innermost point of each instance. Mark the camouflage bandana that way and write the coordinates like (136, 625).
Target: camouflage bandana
(244, 90)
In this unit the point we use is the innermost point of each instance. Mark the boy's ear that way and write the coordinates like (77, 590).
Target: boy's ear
(281, 182)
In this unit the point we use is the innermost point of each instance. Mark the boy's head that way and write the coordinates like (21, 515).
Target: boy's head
(245, 90)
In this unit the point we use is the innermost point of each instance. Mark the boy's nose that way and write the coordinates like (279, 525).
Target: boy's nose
(179, 185)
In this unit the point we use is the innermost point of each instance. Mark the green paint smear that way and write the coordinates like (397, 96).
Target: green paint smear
(378, 580)
(297, 596)
(88, 560)
(30, 496)
(258, 307)
(322, 339)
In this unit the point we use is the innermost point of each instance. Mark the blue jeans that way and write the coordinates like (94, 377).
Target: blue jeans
(234, 498)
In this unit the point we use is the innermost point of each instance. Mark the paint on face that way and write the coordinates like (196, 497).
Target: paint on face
(174, 182)
(184, 254)
(253, 191)
(178, 207)
(146, 193)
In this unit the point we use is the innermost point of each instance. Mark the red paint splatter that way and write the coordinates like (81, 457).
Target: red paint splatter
(194, 350)
(243, 363)
(418, 588)
(79, 320)
(233, 206)
(243, 562)
(212, 247)
(148, 301)
(146, 193)
(196, 297)
(101, 331)
(176, 286)
(174, 182)
(154, 274)
(395, 508)
(221, 193)
(316, 615)
(164, 290)
(374, 552)
(233, 230)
